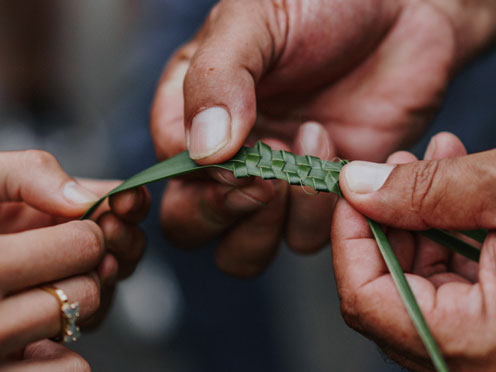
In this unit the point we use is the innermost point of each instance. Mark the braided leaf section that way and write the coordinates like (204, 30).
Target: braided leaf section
(262, 161)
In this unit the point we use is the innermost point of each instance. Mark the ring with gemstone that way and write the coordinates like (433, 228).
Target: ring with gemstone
(69, 313)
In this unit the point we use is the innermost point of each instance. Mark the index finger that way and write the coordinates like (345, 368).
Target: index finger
(37, 256)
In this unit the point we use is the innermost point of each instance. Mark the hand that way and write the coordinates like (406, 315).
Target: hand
(41, 242)
(47, 356)
(457, 296)
(371, 72)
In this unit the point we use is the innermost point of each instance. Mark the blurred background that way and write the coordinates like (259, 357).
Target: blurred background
(77, 79)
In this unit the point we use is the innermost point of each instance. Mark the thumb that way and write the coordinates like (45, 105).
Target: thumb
(455, 193)
(240, 41)
(36, 178)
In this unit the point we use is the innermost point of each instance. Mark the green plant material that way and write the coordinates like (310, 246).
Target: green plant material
(477, 235)
(453, 242)
(407, 296)
(262, 161)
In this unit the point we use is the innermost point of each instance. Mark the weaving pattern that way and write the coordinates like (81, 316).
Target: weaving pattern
(262, 161)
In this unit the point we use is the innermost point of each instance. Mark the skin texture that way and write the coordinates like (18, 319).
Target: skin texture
(42, 241)
(371, 73)
(457, 296)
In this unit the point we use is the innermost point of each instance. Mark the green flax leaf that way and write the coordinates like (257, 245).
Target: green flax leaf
(477, 235)
(262, 161)
(407, 296)
(453, 242)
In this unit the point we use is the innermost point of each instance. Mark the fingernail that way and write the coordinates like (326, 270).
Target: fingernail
(363, 177)
(77, 194)
(313, 140)
(210, 131)
(431, 149)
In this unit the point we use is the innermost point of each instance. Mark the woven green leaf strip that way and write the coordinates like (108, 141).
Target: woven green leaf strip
(320, 175)
(262, 161)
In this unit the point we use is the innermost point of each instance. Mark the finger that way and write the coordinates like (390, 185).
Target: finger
(126, 242)
(401, 157)
(98, 187)
(487, 275)
(50, 253)
(444, 145)
(465, 267)
(219, 87)
(167, 114)
(194, 212)
(356, 258)
(434, 262)
(309, 216)
(403, 245)
(447, 145)
(402, 242)
(108, 270)
(132, 205)
(17, 216)
(48, 356)
(454, 194)
(36, 178)
(107, 292)
(432, 259)
(26, 326)
(370, 302)
(250, 246)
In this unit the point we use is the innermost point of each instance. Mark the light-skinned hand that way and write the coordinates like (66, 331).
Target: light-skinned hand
(43, 242)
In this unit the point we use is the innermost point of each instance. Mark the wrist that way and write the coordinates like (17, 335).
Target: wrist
(474, 24)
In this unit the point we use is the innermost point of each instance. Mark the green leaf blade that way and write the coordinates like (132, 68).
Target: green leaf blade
(408, 298)
(451, 241)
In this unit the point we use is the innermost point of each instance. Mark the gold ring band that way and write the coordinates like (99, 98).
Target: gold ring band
(69, 313)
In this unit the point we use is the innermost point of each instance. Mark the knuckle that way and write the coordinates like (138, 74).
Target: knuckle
(40, 158)
(422, 196)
